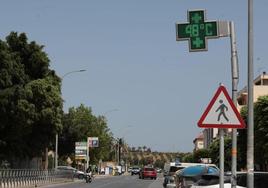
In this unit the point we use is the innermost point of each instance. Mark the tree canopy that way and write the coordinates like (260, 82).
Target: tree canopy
(79, 124)
(30, 98)
(260, 135)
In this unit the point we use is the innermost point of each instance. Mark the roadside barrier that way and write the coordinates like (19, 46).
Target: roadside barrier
(32, 178)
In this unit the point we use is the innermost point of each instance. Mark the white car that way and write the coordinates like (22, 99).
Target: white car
(226, 185)
(210, 181)
(171, 185)
(68, 169)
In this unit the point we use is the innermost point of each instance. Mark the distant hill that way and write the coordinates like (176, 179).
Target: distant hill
(157, 158)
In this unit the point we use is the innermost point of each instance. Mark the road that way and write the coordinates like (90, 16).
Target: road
(114, 182)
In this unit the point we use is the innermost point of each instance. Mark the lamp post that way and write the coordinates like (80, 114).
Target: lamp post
(57, 136)
(121, 143)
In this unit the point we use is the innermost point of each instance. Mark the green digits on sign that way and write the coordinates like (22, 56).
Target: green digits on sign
(195, 30)
(188, 30)
(192, 30)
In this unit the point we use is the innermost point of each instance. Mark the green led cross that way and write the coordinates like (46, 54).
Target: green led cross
(197, 30)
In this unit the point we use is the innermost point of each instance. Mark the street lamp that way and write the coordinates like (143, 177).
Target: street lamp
(121, 143)
(81, 70)
(57, 136)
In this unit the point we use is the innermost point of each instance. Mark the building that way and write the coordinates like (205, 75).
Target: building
(260, 88)
(199, 142)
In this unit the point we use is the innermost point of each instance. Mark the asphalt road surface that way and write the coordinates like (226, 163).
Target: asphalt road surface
(113, 182)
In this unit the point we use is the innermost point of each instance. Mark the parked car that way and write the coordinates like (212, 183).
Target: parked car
(212, 181)
(129, 169)
(260, 181)
(135, 170)
(68, 169)
(190, 175)
(158, 170)
(148, 172)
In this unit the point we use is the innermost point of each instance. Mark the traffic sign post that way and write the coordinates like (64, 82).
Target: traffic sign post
(197, 30)
(221, 112)
(92, 142)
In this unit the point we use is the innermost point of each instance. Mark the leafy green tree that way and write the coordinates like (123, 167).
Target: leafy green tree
(159, 163)
(188, 158)
(242, 142)
(260, 135)
(201, 153)
(214, 153)
(79, 124)
(30, 99)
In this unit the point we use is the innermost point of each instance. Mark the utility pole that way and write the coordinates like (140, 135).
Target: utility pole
(250, 135)
(57, 136)
(119, 150)
(235, 78)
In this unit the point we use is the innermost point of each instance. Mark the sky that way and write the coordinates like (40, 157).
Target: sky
(151, 89)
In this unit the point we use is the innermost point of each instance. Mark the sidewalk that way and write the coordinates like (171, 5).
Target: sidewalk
(75, 181)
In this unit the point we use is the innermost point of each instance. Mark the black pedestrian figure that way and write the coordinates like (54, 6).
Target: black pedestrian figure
(222, 109)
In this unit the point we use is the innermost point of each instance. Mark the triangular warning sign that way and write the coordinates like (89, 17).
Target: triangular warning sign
(221, 112)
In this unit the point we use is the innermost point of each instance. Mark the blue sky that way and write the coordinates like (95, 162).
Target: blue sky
(134, 63)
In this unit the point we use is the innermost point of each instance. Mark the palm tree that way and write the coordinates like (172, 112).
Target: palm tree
(144, 148)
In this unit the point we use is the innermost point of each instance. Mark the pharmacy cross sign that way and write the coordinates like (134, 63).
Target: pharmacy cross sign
(197, 30)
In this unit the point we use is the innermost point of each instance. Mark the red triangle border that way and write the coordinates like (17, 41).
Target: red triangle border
(237, 126)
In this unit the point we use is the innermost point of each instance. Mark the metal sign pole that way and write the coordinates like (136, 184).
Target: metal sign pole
(235, 77)
(56, 152)
(221, 158)
(250, 138)
(87, 153)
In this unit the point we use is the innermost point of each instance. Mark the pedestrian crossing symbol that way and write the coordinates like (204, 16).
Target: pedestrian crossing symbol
(221, 112)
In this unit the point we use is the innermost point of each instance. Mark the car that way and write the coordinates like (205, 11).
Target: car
(148, 172)
(135, 171)
(129, 169)
(260, 179)
(212, 181)
(190, 175)
(208, 181)
(158, 170)
(68, 169)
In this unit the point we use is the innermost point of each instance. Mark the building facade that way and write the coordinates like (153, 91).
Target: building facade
(199, 142)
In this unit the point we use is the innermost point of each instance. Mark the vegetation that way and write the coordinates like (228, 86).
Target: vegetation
(214, 153)
(31, 114)
(260, 136)
(30, 99)
(78, 124)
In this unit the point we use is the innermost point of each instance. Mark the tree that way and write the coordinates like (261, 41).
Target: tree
(79, 124)
(201, 153)
(214, 152)
(30, 99)
(260, 135)
(159, 163)
(144, 148)
(188, 158)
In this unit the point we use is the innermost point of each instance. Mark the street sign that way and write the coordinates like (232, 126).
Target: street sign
(80, 150)
(197, 30)
(221, 112)
(93, 142)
